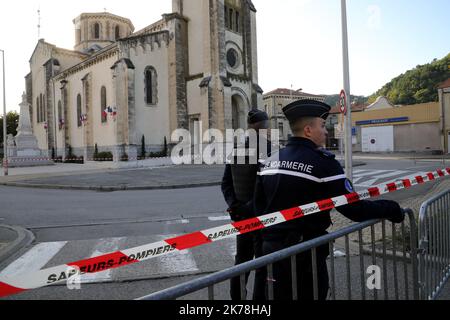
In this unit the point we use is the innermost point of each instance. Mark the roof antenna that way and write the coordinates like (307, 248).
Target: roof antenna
(39, 22)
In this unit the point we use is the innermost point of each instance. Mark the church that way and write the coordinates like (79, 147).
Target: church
(197, 65)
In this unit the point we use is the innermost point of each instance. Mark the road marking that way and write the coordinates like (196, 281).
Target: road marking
(365, 173)
(180, 221)
(102, 247)
(222, 218)
(338, 253)
(34, 259)
(357, 171)
(176, 262)
(372, 182)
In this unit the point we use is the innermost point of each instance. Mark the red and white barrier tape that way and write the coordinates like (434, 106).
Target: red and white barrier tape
(38, 159)
(42, 278)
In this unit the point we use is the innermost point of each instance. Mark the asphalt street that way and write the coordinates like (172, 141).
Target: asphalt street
(75, 224)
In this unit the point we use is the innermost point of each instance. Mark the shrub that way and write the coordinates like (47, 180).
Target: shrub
(160, 154)
(95, 152)
(75, 159)
(104, 156)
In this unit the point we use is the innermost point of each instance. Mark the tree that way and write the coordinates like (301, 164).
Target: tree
(166, 149)
(12, 121)
(418, 85)
(143, 152)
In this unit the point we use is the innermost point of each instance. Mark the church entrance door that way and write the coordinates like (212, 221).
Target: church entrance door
(239, 109)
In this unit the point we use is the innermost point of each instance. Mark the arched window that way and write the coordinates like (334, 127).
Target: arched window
(103, 102)
(96, 31)
(117, 32)
(79, 110)
(151, 85)
(37, 110)
(44, 109)
(226, 17)
(60, 115)
(41, 108)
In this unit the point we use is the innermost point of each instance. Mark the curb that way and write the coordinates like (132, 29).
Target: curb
(109, 188)
(24, 238)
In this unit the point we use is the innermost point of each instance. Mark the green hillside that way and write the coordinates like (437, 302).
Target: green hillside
(418, 85)
(332, 100)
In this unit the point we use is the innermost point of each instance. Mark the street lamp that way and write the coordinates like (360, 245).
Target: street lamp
(5, 157)
(348, 118)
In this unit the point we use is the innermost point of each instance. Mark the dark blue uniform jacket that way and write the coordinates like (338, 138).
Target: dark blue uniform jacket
(300, 174)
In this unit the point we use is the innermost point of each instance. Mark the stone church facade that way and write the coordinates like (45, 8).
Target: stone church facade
(197, 64)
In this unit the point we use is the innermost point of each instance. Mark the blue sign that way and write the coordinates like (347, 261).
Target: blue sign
(354, 132)
(382, 121)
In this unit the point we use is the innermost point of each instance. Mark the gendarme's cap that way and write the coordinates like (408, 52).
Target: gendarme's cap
(306, 108)
(256, 115)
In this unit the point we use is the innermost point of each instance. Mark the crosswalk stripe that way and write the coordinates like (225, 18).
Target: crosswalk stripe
(180, 221)
(377, 177)
(34, 259)
(222, 218)
(181, 261)
(103, 246)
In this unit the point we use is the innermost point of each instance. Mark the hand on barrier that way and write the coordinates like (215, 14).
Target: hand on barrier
(398, 214)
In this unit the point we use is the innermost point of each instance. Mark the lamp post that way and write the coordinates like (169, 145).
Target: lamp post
(5, 157)
(348, 117)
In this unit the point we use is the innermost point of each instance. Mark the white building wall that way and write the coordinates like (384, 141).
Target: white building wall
(101, 75)
(152, 121)
(59, 132)
(198, 34)
(75, 132)
(41, 55)
(103, 133)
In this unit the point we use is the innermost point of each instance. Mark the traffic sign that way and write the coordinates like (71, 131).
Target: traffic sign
(343, 102)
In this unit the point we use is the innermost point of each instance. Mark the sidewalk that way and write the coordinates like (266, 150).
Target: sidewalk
(108, 179)
(419, 156)
(12, 240)
(105, 176)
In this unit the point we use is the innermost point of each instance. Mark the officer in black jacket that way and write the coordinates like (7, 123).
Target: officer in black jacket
(238, 186)
(303, 173)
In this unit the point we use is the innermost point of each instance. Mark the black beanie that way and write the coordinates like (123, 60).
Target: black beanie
(256, 115)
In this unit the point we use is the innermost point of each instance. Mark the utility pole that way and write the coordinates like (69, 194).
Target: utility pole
(5, 154)
(348, 116)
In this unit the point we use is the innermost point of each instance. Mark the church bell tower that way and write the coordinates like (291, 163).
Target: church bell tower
(94, 31)
(222, 49)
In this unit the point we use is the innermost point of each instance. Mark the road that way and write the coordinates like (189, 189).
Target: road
(70, 225)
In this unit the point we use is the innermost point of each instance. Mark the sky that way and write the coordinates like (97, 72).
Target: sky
(299, 41)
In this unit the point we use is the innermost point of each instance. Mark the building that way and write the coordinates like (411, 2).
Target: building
(444, 105)
(196, 65)
(383, 127)
(274, 101)
(335, 125)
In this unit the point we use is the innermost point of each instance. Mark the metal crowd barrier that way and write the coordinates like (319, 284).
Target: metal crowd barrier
(399, 272)
(434, 245)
